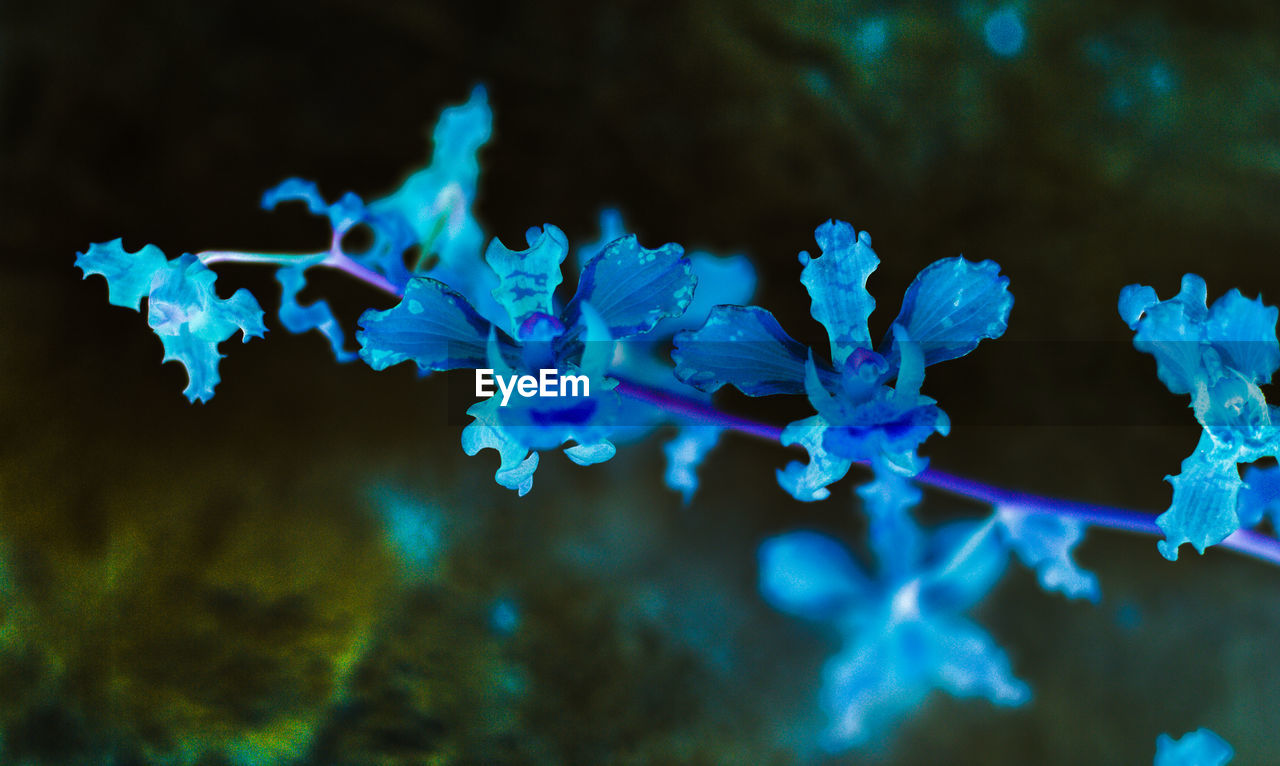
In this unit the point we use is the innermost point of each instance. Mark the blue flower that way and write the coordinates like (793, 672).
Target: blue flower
(902, 629)
(623, 291)
(1220, 355)
(867, 399)
(183, 308)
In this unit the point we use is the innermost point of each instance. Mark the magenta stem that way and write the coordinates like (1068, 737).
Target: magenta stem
(1244, 541)
(334, 258)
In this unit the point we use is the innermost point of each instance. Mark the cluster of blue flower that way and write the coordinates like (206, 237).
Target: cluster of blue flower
(902, 622)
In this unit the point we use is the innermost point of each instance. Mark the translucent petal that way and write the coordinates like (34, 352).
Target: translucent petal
(895, 538)
(809, 481)
(885, 673)
(517, 465)
(436, 202)
(128, 274)
(1203, 512)
(741, 346)
(433, 325)
(431, 209)
(1245, 332)
(200, 358)
(590, 454)
(191, 320)
(632, 287)
(458, 136)
(971, 664)
(963, 562)
(297, 318)
(837, 285)
(951, 306)
(527, 279)
(1174, 332)
(810, 575)
(1201, 747)
(871, 685)
(1134, 301)
(1044, 542)
(685, 453)
(1260, 496)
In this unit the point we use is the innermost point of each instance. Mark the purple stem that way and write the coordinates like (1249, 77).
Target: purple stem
(334, 258)
(1245, 541)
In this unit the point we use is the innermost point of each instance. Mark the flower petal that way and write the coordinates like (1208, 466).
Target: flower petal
(128, 274)
(433, 325)
(297, 318)
(809, 481)
(685, 453)
(185, 311)
(741, 346)
(633, 288)
(837, 285)
(515, 471)
(1044, 542)
(951, 306)
(1245, 332)
(1203, 511)
(527, 279)
(810, 575)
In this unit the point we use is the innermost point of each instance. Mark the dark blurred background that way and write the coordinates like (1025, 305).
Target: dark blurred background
(213, 583)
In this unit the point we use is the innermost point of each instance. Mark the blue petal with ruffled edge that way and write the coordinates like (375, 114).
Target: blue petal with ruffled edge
(298, 318)
(1203, 511)
(808, 482)
(951, 306)
(128, 274)
(1244, 331)
(517, 462)
(1172, 331)
(527, 279)
(744, 347)
(191, 320)
(1045, 543)
(837, 284)
(433, 325)
(1201, 747)
(633, 288)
